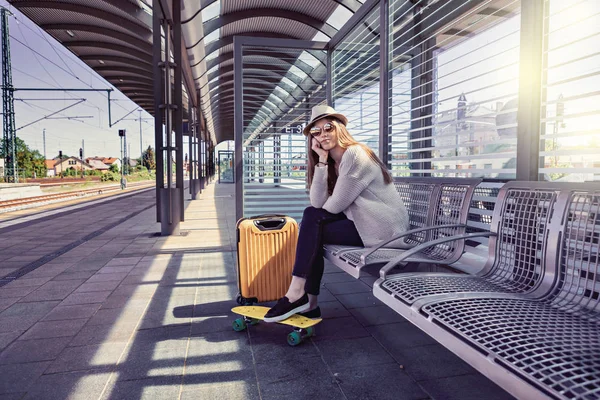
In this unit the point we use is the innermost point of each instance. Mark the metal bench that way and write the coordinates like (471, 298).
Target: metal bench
(437, 208)
(531, 320)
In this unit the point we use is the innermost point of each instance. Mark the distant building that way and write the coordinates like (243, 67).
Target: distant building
(70, 163)
(50, 167)
(98, 165)
(108, 161)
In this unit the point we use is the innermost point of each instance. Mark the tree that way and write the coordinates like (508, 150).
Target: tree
(148, 159)
(29, 161)
(114, 168)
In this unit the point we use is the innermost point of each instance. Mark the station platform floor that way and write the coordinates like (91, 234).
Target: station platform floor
(94, 304)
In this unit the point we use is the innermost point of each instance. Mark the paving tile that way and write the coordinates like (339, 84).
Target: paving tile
(297, 378)
(339, 328)
(337, 277)
(70, 275)
(53, 290)
(50, 329)
(465, 387)
(6, 293)
(145, 389)
(71, 385)
(98, 334)
(7, 338)
(218, 358)
(357, 300)
(7, 302)
(229, 391)
(18, 377)
(381, 382)
(165, 364)
(400, 336)
(377, 315)
(72, 312)
(431, 362)
(97, 286)
(82, 358)
(24, 351)
(24, 281)
(364, 351)
(85, 298)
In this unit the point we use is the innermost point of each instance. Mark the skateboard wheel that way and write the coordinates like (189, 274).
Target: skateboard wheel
(239, 325)
(294, 338)
(310, 331)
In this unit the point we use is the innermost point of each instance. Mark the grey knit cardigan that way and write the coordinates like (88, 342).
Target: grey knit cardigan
(363, 196)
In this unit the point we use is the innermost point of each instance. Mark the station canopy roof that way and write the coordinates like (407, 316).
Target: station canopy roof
(114, 37)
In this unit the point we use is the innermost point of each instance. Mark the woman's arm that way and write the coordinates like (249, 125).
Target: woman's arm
(318, 187)
(356, 172)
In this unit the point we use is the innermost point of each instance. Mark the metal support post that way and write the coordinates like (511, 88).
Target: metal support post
(384, 84)
(530, 90)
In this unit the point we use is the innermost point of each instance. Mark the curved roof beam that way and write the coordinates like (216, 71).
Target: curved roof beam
(144, 32)
(127, 78)
(351, 5)
(120, 59)
(145, 46)
(228, 40)
(141, 55)
(257, 68)
(263, 81)
(268, 87)
(321, 57)
(278, 56)
(221, 21)
(117, 68)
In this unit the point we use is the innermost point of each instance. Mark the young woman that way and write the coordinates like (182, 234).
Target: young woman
(353, 202)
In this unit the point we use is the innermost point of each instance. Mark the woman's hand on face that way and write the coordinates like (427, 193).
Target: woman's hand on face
(316, 147)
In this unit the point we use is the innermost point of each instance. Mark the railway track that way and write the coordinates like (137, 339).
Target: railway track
(16, 204)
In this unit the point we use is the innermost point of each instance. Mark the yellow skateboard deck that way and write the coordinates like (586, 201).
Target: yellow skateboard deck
(258, 312)
(252, 314)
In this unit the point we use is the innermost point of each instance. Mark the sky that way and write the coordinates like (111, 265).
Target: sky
(39, 61)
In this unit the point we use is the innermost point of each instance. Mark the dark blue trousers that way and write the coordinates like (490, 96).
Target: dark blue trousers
(318, 227)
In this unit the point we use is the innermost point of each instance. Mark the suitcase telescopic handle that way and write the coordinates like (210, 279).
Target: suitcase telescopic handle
(267, 216)
(270, 224)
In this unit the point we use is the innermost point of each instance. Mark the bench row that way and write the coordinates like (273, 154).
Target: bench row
(530, 318)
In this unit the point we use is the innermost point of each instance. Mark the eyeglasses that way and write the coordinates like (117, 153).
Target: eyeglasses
(314, 131)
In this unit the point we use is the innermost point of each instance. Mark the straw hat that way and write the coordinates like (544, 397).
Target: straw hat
(320, 112)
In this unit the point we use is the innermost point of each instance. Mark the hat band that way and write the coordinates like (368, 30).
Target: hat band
(320, 116)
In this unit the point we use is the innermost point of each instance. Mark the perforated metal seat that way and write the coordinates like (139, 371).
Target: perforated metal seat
(517, 249)
(437, 207)
(529, 343)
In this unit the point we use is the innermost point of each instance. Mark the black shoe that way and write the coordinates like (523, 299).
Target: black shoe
(312, 314)
(284, 309)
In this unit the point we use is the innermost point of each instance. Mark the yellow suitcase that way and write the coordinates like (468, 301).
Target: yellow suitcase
(266, 247)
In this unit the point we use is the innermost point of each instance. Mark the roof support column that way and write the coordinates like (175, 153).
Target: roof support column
(169, 145)
(194, 151)
(530, 90)
(384, 83)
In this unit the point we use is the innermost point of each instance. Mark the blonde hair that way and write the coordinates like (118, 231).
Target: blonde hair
(345, 140)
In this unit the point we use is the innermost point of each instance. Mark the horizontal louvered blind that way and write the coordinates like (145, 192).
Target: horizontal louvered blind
(355, 80)
(280, 86)
(570, 124)
(454, 87)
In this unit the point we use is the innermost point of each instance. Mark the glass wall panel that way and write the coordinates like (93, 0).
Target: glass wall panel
(453, 87)
(355, 80)
(570, 124)
(279, 87)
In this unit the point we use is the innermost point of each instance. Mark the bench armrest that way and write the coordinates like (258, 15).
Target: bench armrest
(394, 261)
(371, 250)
